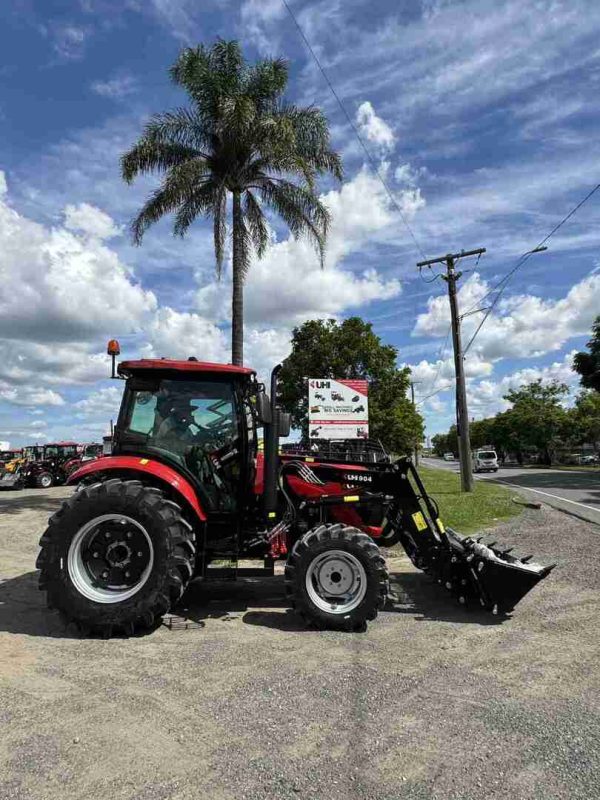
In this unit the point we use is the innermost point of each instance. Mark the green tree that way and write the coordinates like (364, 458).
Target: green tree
(537, 419)
(237, 139)
(588, 364)
(586, 418)
(445, 442)
(481, 432)
(350, 349)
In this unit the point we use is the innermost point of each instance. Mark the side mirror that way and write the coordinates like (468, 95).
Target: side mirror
(263, 408)
(284, 421)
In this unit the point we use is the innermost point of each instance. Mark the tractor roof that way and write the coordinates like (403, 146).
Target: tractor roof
(127, 367)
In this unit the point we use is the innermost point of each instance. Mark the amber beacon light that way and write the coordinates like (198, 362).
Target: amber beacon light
(113, 349)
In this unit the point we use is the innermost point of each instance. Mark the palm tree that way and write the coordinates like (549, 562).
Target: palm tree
(236, 137)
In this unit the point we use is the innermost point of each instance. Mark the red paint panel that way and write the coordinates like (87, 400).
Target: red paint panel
(259, 477)
(161, 471)
(182, 366)
(311, 461)
(342, 513)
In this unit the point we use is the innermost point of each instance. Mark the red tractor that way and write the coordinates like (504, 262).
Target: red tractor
(85, 453)
(186, 489)
(50, 469)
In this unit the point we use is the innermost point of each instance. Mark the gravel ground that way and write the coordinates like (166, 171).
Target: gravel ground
(234, 699)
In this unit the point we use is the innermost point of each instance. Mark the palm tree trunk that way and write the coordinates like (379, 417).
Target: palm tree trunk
(237, 300)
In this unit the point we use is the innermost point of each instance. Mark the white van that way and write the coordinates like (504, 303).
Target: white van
(485, 461)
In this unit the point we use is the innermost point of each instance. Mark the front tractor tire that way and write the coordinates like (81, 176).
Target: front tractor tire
(336, 578)
(44, 480)
(115, 557)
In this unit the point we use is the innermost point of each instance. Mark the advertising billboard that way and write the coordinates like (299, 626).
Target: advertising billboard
(338, 409)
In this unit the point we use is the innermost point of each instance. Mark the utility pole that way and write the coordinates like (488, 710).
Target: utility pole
(462, 414)
(412, 397)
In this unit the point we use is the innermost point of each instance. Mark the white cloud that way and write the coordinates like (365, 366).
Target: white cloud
(87, 219)
(409, 175)
(257, 20)
(177, 334)
(56, 285)
(287, 285)
(374, 128)
(38, 423)
(116, 88)
(102, 402)
(68, 40)
(522, 325)
(29, 395)
(264, 349)
(485, 398)
(177, 16)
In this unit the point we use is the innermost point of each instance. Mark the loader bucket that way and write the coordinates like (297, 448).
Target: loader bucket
(475, 570)
(10, 480)
(500, 580)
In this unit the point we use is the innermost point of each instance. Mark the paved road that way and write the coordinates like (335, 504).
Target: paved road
(576, 491)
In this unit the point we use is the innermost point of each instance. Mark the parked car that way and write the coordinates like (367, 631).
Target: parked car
(589, 459)
(448, 456)
(484, 461)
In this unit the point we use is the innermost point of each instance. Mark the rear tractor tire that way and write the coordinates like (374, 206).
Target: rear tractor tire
(115, 557)
(336, 578)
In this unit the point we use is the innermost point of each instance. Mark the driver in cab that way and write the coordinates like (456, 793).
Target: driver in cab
(178, 431)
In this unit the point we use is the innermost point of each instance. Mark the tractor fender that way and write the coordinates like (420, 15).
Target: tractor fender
(146, 465)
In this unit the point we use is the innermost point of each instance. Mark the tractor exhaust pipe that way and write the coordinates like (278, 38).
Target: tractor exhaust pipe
(272, 452)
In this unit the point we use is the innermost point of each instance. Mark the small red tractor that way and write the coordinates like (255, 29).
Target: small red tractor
(186, 489)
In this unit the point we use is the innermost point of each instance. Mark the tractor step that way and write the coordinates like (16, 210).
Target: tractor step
(233, 571)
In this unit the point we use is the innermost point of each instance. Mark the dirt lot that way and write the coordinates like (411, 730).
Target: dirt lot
(432, 702)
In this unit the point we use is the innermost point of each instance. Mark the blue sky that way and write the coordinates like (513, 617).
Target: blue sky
(483, 117)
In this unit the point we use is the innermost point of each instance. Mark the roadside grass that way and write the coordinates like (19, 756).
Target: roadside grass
(487, 505)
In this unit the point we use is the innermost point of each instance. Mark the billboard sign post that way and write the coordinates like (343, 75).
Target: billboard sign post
(338, 409)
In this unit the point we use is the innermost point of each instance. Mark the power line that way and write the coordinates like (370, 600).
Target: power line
(371, 159)
(437, 391)
(520, 263)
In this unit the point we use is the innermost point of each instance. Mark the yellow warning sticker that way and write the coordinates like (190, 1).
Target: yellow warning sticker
(272, 514)
(143, 460)
(441, 526)
(351, 498)
(309, 458)
(419, 521)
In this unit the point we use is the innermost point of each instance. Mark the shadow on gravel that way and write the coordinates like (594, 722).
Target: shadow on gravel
(29, 502)
(419, 597)
(23, 609)
(258, 601)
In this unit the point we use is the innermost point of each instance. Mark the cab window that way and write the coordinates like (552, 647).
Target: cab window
(196, 423)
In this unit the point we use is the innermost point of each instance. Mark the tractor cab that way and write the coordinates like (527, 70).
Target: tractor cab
(59, 452)
(34, 452)
(197, 418)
